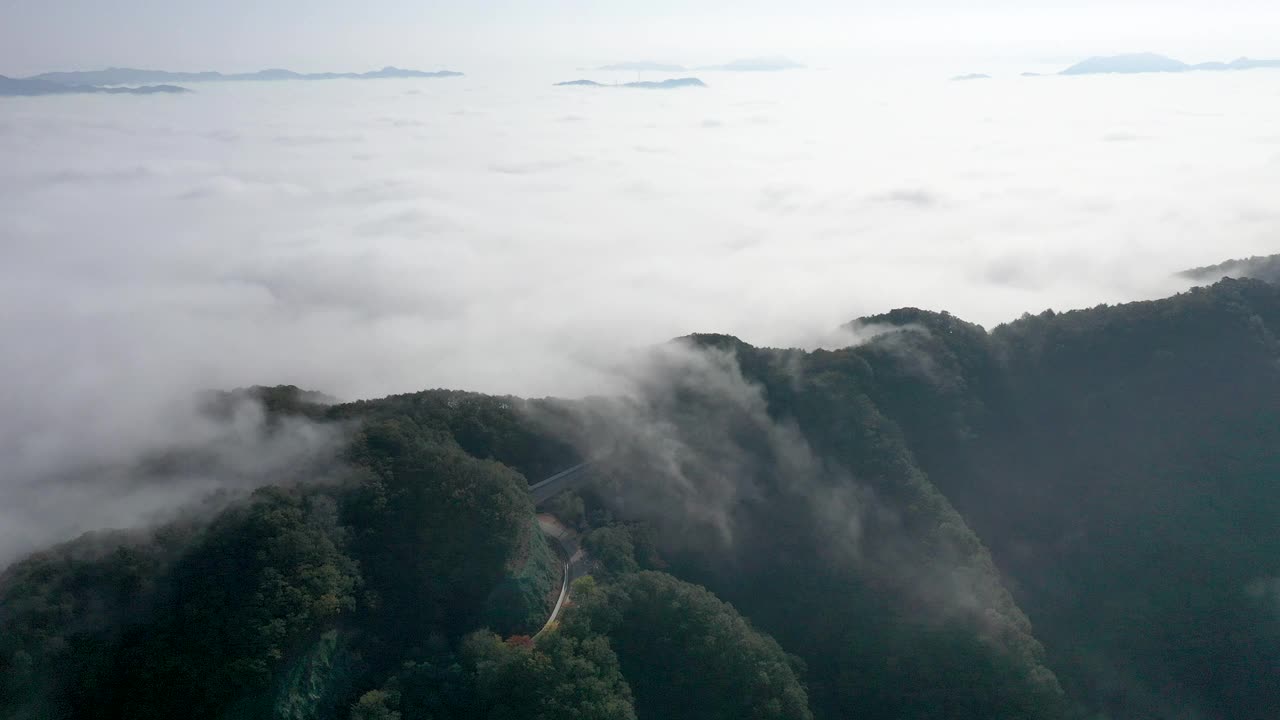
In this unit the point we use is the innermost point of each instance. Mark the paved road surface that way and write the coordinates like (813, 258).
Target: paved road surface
(559, 482)
(577, 562)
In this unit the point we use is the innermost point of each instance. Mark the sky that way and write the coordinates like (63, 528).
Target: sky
(495, 233)
(317, 35)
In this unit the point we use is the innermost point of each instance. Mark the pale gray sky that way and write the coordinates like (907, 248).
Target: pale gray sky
(39, 35)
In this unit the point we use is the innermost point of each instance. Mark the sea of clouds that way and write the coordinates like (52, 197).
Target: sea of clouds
(495, 233)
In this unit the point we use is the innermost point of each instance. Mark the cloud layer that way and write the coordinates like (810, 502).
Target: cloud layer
(508, 236)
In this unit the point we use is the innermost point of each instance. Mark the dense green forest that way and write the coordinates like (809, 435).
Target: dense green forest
(1071, 516)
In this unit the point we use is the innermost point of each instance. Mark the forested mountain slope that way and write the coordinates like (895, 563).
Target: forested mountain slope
(1073, 515)
(1122, 465)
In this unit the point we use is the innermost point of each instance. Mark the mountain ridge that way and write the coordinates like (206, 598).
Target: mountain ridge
(668, 84)
(1069, 515)
(131, 76)
(1138, 63)
(25, 87)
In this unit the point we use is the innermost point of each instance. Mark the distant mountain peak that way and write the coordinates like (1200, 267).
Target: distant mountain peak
(1133, 63)
(134, 76)
(645, 85)
(28, 87)
(1127, 64)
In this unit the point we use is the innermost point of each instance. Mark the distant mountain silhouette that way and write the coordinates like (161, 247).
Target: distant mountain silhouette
(643, 66)
(1127, 64)
(667, 84)
(646, 85)
(971, 76)
(1153, 63)
(142, 90)
(758, 64)
(133, 76)
(14, 87)
(1243, 63)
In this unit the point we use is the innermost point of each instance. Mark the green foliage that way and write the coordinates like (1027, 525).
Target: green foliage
(1117, 464)
(242, 618)
(436, 529)
(262, 580)
(185, 623)
(374, 705)
(1147, 504)
(568, 508)
(689, 655)
(557, 678)
(584, 588)
(840, 546)
(485, 427)
(560, 677)
(317, 681)
(522, 601)
(63, 608)
(613, 549)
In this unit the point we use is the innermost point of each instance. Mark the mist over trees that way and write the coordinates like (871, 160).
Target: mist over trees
(1069, 516)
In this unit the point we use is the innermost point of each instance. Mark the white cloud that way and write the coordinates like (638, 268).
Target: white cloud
(460, 233)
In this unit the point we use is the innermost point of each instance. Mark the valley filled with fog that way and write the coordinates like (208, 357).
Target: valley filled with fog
(496, 233)
(284, 359)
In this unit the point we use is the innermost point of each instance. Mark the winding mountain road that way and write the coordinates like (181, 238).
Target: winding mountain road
(576, 561)
(576, 564)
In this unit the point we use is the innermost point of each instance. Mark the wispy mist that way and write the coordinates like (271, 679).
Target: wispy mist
(726, 474)
(498, 234)
(143, 469)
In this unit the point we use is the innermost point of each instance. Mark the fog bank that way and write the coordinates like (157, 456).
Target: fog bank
(497, 234)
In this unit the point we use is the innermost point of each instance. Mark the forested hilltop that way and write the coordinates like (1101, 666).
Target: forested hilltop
(1073, 515)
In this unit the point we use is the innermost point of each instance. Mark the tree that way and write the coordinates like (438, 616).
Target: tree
(689, 655)
(374, 705)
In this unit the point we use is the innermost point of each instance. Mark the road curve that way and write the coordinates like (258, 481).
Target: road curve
(576, 561)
